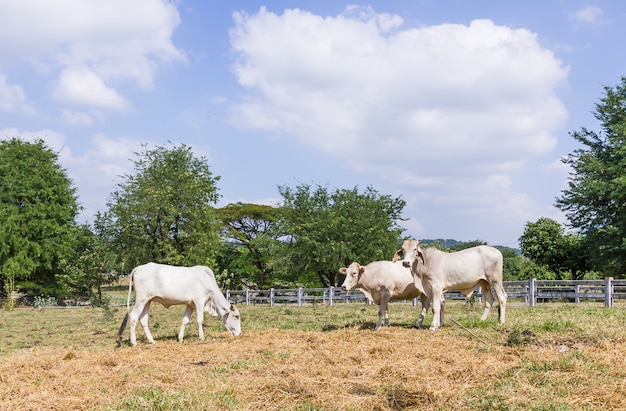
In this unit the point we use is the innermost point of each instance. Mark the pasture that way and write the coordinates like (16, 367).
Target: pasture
(317, 357)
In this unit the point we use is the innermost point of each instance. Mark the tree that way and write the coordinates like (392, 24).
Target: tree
(546, 243)
(250, 233)
(91, 266)
(329, 230)
(38, 206)
(595, 200)
(163, 212)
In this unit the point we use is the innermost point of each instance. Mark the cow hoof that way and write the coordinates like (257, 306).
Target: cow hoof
(432, 329)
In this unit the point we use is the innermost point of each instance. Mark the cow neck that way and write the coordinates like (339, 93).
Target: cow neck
(221, 305)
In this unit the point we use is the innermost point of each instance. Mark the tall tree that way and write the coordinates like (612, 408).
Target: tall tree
(546, 243)
(38, 205)
(329, 230)
(595, 200)
(163, 212)
(250, 232)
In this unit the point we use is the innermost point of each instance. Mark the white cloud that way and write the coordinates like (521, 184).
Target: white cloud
(589, 14)
(454, 111)
(12, 97)
(113, 40)
(76, 118)
(84, 87)
(476, 94)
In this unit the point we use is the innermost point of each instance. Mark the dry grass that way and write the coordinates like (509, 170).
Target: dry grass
(317, 358)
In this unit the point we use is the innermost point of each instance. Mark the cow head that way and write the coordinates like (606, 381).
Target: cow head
(352, 273)
(232, 320)
(410, 253)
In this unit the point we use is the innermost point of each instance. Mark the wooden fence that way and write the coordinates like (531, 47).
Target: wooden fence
(532, 292)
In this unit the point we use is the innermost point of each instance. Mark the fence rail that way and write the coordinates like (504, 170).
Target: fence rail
(532, 292)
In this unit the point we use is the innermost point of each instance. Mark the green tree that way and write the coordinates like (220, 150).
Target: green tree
(546, 243)
(250, 233)
(38, 206)
(329, 230)
(91, 266)
(163, 212)
(595, 200)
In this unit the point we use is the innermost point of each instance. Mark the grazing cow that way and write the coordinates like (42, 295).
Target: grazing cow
(382, 281)
(436, 271)
(194, 287)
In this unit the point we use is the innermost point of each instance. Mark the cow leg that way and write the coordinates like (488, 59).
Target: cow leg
(385, 295)
(425, 301)
(488, 304)
(437, 302)
(186, 317)
(133, 317)
(200, 320)
(501, 294)
(143, 319)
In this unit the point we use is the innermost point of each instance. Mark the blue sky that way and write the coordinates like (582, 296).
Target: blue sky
(462, 108)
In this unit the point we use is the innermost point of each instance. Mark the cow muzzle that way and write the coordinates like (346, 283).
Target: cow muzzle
(406, 264)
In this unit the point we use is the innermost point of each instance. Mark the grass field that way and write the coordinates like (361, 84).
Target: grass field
(552, 357)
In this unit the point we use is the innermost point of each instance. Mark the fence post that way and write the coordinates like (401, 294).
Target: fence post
(271, 297)
(532, 288)
(228, 295)
(577, 292)
(247, 296)
(299, 296)
(331, 292)
(415, 301)
(608, 292)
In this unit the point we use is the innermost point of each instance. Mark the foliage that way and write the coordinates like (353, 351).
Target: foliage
(330, 228)
(546, 243)
(38, 205)
(91, 266)
(530, 269)
(250, 234)
(595, 200)
(163, 211)
(511, 264)
(40, 301)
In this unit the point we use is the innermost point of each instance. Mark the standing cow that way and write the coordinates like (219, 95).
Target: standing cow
(435, 271)
(382, 281)
(194, 287)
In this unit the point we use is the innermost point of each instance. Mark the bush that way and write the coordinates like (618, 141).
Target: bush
(44, 302)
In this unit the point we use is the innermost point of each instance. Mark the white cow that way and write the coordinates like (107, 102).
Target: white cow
(382, 281)
(436, 271)
(194, 287)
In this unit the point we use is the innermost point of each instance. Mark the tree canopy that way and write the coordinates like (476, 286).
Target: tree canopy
(163, 212)
(38, 205)
(251, 233)
(329, 230)
(595, 199)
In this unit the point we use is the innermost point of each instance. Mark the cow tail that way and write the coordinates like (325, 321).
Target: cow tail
(125, 320)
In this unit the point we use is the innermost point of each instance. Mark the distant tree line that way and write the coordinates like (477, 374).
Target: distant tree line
(165, 211)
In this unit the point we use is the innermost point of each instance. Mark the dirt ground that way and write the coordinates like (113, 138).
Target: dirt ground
(352, 368)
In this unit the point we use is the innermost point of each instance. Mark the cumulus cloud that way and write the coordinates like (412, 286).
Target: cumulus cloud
(92, 43)
(84, 87)
(12, 97)
(453, 110)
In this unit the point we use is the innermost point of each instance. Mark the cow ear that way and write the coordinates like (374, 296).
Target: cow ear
(361, 269)
(232, 307)
(420, 255)
(397, 255)
(342, 271)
